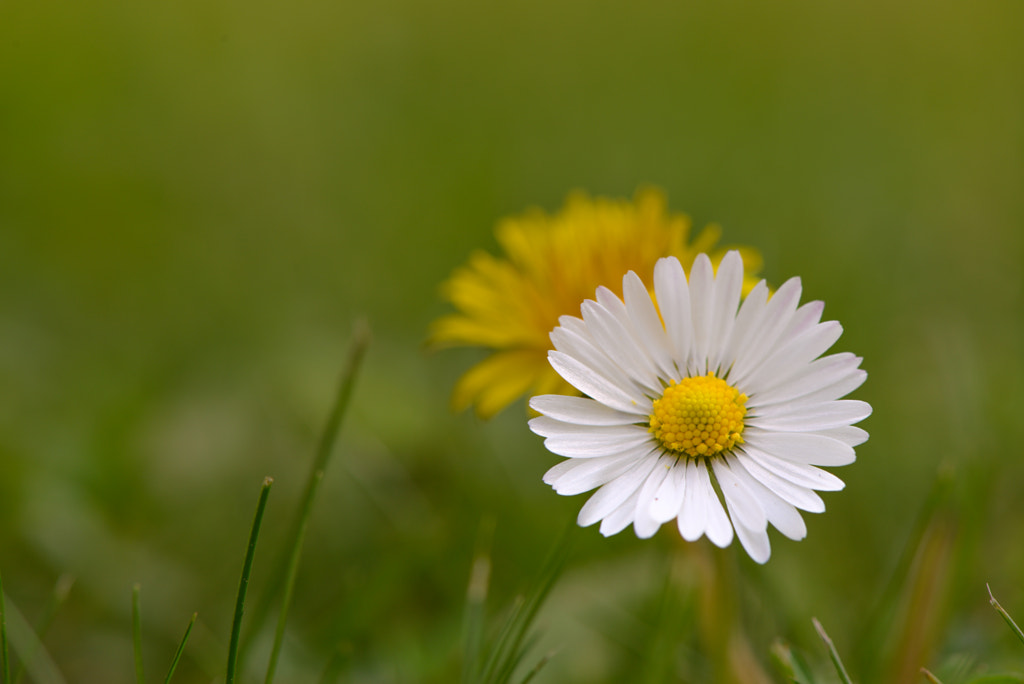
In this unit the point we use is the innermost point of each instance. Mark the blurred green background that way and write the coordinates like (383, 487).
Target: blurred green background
(197, 199)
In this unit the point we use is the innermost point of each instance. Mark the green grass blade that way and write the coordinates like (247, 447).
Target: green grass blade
(5, 653)
(61, 591)
(508, 650)
(476, 598)
(292, 573)
(243, 584)
(140, 677)
(41, 669)
(181, 648)
(833, 653)
(538, 667)
(325, 447)
(1006, 616)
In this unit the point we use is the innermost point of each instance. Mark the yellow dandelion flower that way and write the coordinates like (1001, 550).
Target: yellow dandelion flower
(551, 265)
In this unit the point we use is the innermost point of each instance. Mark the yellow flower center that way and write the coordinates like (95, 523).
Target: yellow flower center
(699, 416)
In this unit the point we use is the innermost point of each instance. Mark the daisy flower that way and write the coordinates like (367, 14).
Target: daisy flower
(692, 400)
(510, 304)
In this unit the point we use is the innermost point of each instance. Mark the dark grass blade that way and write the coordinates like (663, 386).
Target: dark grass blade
(181, 648)
(140, 677)
(243, 583)
(286, 569)
(61, 591)
(833, 653)
(1006, 616)
(5, 653)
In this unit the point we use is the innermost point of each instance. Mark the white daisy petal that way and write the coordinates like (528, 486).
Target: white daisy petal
(673, 294)
(801, 447)
(580, 410)
(693, 515)
(702, 294)
(612, 495)
(621, 517)
(573, 339)
(578, 475)
(645, 318)
(800, 496)
(594, 444)
(748, 324)
(615, 341)
(644, 523)
(669, 498)
(728, 286)
(760, 340)
(719, 529)
(780, 514)
(795, 356)
(596, 386)
(743, 505)
(808, 418)
(748, 517)
(801, 474)
(850, 435)
(835, 369)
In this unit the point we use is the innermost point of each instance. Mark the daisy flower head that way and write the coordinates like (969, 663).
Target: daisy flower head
(551, 263)
(693, 399)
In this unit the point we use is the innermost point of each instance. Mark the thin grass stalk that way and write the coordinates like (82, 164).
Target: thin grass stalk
(5, 653)
(61, 591)
(292, 573)
(538, 667)
(140, 677)
(181, 649)
(325, 447)
(243, 583)
(476, 598)
(21, 638)
(509, 648)
(833, 652)
(929, 676)
(1006, 616)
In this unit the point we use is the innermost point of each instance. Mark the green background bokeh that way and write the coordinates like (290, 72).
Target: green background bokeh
(197, 200)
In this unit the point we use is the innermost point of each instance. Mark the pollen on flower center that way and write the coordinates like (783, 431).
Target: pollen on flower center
(699, 416)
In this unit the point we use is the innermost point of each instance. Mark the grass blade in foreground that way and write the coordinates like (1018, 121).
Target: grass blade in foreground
(1006, 616)
(41, 670)
(287, 566)
(137, 635)
(836, 660)
(5, 660)
(509, 649)
(181, 648)
(929, 676)
(325, 448)
(476, 597)
(61, 591)
(243, 583)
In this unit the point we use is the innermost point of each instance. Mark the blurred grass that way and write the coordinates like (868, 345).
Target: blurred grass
(197, 200)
